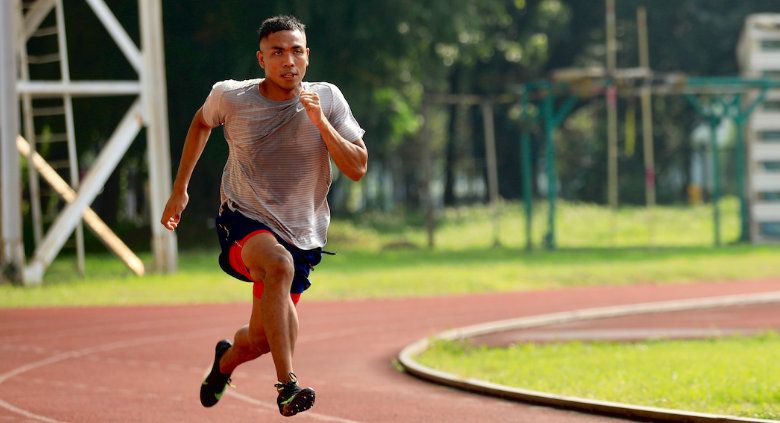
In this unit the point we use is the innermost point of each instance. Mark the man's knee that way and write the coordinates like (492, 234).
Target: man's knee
(274, 265)
(278, 270)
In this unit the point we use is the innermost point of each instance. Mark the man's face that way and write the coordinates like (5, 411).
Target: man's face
(284, 57)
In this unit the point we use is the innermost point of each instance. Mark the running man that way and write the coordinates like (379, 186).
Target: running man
(282, 134)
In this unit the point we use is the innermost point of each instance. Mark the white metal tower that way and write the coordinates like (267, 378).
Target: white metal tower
(759, 57)
(18, 23)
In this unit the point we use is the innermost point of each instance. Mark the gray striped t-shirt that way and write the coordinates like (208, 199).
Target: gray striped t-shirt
(278, 167)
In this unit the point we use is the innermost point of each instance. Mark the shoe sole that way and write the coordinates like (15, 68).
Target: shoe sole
(302, 402)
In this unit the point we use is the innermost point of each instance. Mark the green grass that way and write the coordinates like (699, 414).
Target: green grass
(578, 225)
(402, 273)
(730, 375)
(384, 256)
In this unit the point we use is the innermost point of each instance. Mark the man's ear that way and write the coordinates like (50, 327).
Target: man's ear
(260, 60)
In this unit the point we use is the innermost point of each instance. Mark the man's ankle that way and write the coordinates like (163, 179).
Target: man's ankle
(288, 379)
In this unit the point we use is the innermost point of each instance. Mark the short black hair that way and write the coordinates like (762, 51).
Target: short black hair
(279, 23)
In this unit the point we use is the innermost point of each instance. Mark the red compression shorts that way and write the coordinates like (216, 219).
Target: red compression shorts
(237, 263)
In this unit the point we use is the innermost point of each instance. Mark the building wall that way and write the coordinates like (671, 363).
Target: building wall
(759, 57)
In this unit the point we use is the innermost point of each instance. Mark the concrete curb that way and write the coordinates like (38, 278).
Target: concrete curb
(406, 358)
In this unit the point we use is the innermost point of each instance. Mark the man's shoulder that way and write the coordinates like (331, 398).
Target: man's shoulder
(328, 91)
(321, 86)
(232, 86)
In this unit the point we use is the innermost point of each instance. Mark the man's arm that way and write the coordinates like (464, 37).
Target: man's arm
(350, 157)
(194, 143)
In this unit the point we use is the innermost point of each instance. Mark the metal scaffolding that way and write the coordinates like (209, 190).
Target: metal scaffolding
(714, 98)
(149, 111)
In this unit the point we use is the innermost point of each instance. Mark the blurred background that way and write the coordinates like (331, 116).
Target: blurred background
(389, 57)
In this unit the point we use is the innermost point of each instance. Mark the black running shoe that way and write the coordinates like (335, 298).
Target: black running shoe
(292, 399)
(214, 384)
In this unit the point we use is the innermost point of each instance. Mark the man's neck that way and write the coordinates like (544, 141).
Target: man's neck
(274, 92)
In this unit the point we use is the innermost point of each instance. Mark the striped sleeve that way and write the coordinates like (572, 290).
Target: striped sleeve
(341, 117)
(213, 114)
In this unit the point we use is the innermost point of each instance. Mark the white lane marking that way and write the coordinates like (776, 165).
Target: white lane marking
(137, 342)
(111, 327)
(26, 413)
(91, 350)
(275, 409)
(76, 354)
(408, 354)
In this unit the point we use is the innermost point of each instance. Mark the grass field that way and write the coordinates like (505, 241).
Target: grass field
(385, 256)
(721, 376)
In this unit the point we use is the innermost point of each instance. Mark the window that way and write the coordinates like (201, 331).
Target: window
(769, 135)
(771, 105)
(773, 166)
(771, 196)
(773, 74)
(769, 229)
(770, 45)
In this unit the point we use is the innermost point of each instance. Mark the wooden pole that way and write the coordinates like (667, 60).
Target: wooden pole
(427, 176)
(647, 110)
(647, 120)
(492, 167)
(612, 136)
(103, 232)
(93, 182)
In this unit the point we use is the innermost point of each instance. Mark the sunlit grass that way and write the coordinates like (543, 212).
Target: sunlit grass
(732, 375)
(385, 256)
(579, 225)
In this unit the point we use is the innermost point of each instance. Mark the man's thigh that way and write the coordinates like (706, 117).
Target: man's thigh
(263, 252)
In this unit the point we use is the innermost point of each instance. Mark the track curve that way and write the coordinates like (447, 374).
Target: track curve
(686, 319)
(144, 364)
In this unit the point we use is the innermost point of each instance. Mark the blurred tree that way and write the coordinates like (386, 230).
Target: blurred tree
(387, 57)
(697, 37)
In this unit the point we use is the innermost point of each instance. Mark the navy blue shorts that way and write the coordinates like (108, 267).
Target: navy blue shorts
(233, 229)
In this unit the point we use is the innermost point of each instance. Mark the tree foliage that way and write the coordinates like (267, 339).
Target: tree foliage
(389, 56)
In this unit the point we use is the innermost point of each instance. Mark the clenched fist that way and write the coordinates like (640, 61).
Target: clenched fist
(311, 103)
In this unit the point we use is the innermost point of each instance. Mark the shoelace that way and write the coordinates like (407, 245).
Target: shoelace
(292, 382)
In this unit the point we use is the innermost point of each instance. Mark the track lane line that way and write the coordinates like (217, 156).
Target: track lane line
(275, 409)
(138, 342)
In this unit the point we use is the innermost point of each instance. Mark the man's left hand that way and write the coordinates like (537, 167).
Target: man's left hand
(311, 102)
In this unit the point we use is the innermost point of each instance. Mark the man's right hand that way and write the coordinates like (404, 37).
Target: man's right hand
(172, 214)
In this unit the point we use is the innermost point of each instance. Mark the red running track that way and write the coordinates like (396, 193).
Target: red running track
(145, 364)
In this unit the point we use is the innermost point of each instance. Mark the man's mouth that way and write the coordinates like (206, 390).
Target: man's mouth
(289, 75)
